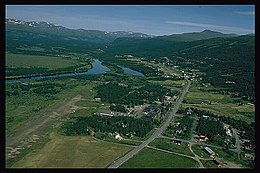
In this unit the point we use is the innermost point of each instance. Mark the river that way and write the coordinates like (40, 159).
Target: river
(97, 68)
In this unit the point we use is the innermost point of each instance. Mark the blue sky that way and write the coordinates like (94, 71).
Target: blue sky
(149, 19)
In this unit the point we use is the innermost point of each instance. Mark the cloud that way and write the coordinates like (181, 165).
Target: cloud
(213, 27)
(245, 12)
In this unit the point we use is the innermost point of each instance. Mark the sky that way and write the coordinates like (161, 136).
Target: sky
(148, 19)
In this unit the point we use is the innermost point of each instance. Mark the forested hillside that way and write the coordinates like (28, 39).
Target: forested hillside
(226, 62)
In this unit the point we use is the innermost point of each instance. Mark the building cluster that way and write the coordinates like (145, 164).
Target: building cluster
(212, 154)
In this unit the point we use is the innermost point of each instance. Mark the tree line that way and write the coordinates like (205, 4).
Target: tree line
(120, 124)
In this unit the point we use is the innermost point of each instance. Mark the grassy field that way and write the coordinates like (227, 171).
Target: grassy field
(167, 145)
(198, 149)
(209, 164)
(242, 112)
(219, 153)
(199, 96)
(20, 109)
(52, 63)
(149, 158)
(220, 104)
(73, 152)
(123, 141)
(172, 84)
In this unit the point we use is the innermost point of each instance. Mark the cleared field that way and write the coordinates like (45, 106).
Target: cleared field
(199, 96)
(149, 158)
(52, 63)
(242, 112)
(220, 104)
(167, 145)
(230, 157)
(173, 84)
(88, 103)
(20, 109)
(73, 152)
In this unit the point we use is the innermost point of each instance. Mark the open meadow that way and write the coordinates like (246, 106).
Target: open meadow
(73, 152)
(150, 158)
(52, 63)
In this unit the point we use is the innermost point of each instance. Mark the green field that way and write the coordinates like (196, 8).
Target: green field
(166, 144)
(199, 96)
(149, 158)
(198, 149)
(25, 106)
(21, 109)
(219, 153)
(171, 84)
(52, 63)
(219, 104)
(73, 152)
(242, 112)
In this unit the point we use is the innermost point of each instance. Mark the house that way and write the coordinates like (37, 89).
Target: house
(168, 97)
(247, 145)
(118, 137)
(97, 99)
(228, 133)
(177, 142)
(249, 156)
(178, 132)
(209, 151)
(219, 162)
(106, 115)
(189, 112)
(203, 138)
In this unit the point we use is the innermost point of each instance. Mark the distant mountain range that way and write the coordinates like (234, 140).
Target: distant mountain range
(193, 36)
(46, 29)
(49, 29)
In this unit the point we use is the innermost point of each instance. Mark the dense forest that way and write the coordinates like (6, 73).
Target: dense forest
(181, 128)
(119, 124)
(119, 93)
(220, 59)
(45, 89)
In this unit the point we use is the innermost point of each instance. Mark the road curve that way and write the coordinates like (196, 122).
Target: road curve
(156, 134)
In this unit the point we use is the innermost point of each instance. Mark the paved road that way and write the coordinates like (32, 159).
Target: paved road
(156, 134)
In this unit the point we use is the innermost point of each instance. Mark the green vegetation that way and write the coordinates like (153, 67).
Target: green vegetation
(224, 155)
(73, 152)
(224, 82)
(149, 158)
(166, 144)
(25, 100)
(209, 98)
(18, 65)
(209, 164)
(220, 59)
(52, 63)
(210, 127)
(121, 124)
(249, 129)
(111, 138)
(132, 95)
(182, 127)
(118, 108)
